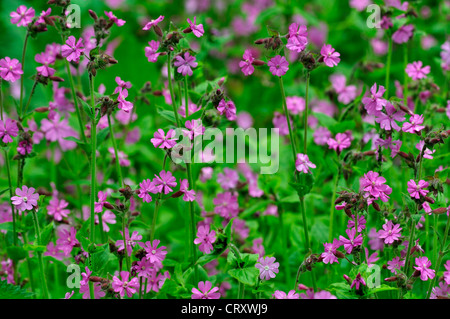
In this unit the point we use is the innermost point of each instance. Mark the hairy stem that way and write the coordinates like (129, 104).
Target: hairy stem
(113, 139)
(21, 78)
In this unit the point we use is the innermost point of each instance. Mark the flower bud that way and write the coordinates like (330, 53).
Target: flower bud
(258, 62)
(93, 15)
(95, 279)
(158, 30)
(439, 211)
(376, 206)
(56, 79)
(41, 109)
(391, 279)
(302, 287)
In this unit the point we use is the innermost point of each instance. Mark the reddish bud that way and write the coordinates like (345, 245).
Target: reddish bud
(108, 205)
(93, 15)
(187, 30)
(439, 211)
(41, 109)
(158, 30)
(376, 206)
(339, 254)
(391, 279)
(258, 62)
(56, 79)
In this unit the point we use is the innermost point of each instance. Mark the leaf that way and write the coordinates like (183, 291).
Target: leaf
(8, 291)
(248, 275)
(4, 191)
(16, 253)
(100, 258)
(46, 234)
(8, 226)
(101, 136)
(168, 115)
(304, 185)
(87, 109)
(380, 289)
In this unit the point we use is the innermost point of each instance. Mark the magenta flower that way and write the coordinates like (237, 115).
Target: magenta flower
(403, 34)
(160, 140)
(108, 217)
(246, 65)
(295, 104)
(278, 65)
(447, 272)
(389, 143)
(22, 16)
(423, 265)
(123, 158)
(189, 195)
(297, 38)
(24, 147)
(375, 102)
(416, 190)
(416, 71)
(124, 105)
(390, 232)
(25, 199)
(278, 294)
(351, 242)
(339, 143)
(67, 240)
(361, 223)
(72, 49)
(228, 108)
(375, 186)
(130, 287)
(302, 164)
(330, 56)
(10, 69)
(46, 60)
(194, 129)
(197, 29)
(395, 264)
(359, 280)
(153, 253)
(98, 206)
(151, 51)
(267, 267)
(56, 208)
(153, 23)
(130, 242)
(204, 291)
(427, 153)
(387, 120)
(164, 182)
(328, 255)
(346, 94)
(321, 135)
(226, 205)
(205, 238)
(229, 179)
(113, 18)
(147, 186)
(413, 125)
(185, 64)
(8, 130)
(44, 13)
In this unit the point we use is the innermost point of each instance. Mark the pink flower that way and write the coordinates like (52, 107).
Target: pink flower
(416, 190)
(124, 105)
(8, 129)
(98, 206)
(153, 253)
(228, 108)
(328, 255)
(196, 29)
(229, 179)
(267, 268)
(246, 65)
(387, 120)
(121, 84)
(10, 69)
(321, 135)
(44, 13)
(146, 187)
(395, 264)
(72, 49)
(330, 56)
(359, 280)
(278, 294)
(427, 153)
(352, 242)
(390, 232)
(164, 141)
(123, 158)
(46, 60)
(67, 240)
(295, 104)
(414, 125)
(108, 217)
(189, 195)
(25, 199)
(375, 102)
(130, 242)
(113, 18)
(339, 143)
(389, 143)
(22, 16)
(447, 272)
(361, 223)
(416, 72)
(130, 287)
(375, 186)
(25, 147)
(298, 37)
(226, 205)
(153, 23)
(185, 65)
(346, 94)
(204, 291)
(205, 238)
(278, 65)
(151, 51)
(302, 164)
(423, 265)
(164, 182)
(403, 34)
(56, 208)
(194, 128)
(258, 247)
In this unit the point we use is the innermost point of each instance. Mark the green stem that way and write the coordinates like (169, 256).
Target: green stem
(305, 115)
(241, 290)
(169, 72)
(21, 78)
(405, 63)
(332, 208)
(388, 66)
(39, 253)
(307, 243)
(155, 215)
(113, 139)
(29, 98)
(93, 158)
(291, 134)
(30, 270)
(127, 258)
(410, 245)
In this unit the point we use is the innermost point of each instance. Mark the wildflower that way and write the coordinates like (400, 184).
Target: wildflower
(328, 255)
(352, 242)
(130, 242)
(72, 49)
(375, 102)
(197, 30)
(46, 60)
(113, 18)
(194, 129)
(278, 65)
(295, 104)
(427, 153)
(56, 208)
(121, 85)
(302, 164)
(389, 143)
(346, 94)
(124, 105)
(67, 240)
(205, 238)
(108, 217)
(339, 143)
(160, 140)
(447, 272)
(24, 147)
(125, 286)
(151, 51)
(153, 253)
(423, 265)
(123, 158)
(153, 23)
(416, 71)
(146, 187)
(414, 126)
(375, 242)
(98, 206)
(387, 120)
(443, 290)
(297, 39)
(228, 108)
(395, 264)
(375, 186)
(416, 190)
(372, 259)
(23, 16)
(164, 182)
(321, 135)
(10, 69)
(228, 179)
(390, 232)
(185, 64)
(361, 223)
(206, 174)
(330, 56)
(8, 130)
(226, 205)
(189, 195)
(403, 34)
(98, 292)
(25, 199)
(204, 291)
(267, 267)
(246, 65)
(278, 294)
(359, 280)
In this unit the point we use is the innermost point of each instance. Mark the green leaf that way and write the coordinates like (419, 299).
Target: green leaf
(16, 253)
(46, 234)
(304, 185)
(8, 226)
(381, 289)
(248, 275)
(87, 109)
(100, 258)
(8, 291)
(4, 191)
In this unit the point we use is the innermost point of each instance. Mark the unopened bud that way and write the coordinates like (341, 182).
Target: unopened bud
(376, 206)
(108, 205)
(439, 211)
(258, 62)
(339, 254)
(93, 15)
(391, 279)
(95, 279)
(429, 200)
(41, 109)
(56, 79)
(158, 30)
